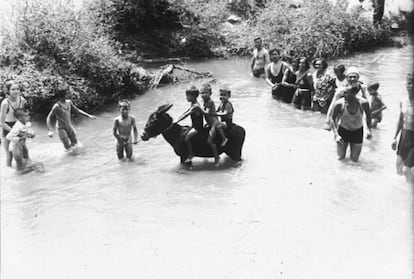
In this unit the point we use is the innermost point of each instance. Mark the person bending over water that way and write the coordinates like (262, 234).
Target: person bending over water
(212, 120)
(260, 58)
(303, 95)
(62, 112)
(17, 136)
(9, 105)
(347, 122)
(124, 124)
(376, 105)
(405, 125)
(196, 114)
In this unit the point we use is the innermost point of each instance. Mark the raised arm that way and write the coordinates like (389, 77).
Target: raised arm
(78, 110)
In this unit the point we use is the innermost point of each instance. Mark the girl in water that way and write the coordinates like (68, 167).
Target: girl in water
(9, 105)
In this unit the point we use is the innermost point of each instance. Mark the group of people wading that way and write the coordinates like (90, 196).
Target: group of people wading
(339, 95)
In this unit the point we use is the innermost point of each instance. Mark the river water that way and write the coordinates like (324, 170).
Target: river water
(290, 210)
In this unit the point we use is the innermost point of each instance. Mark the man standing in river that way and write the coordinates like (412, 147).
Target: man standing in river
(260, 58)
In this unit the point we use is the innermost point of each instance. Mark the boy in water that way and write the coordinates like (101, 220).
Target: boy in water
(17, 136)
(196, 114)
(123, 126)
(225, 109)
(210, 115)
(62, 112)
(376, 106)
(260, 58)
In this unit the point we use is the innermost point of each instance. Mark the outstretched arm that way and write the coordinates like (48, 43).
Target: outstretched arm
(49, 120)
(185, 114)
(78, 110)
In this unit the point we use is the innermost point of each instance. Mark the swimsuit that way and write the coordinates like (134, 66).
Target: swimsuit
(277, 92)
(350, 125)
(228, 119)
(302, 97)
(10, 119)
(406, 143)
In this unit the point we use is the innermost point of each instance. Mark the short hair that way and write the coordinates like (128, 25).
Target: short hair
(61, 89)
(19, 113)
(192, 91)
(274, 50)
(9, 84)
(257, 39)
(323, 61)
(306, 61)
(373, 86)
(225, 89)
(205, 87)
(340, 68)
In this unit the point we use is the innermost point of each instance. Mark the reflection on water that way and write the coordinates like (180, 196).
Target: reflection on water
(290, 210)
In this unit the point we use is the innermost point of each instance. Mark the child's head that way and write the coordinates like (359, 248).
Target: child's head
(22, 115)
(339, 70)
(61, 91)
(205, 91)
(124, 107)
(13, 89)
(372, 88)
(225, 93)
(258, 42)
(192, 93)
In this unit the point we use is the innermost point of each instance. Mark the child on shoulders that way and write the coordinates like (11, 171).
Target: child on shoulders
(17, 136)
(124, 124)
(376, 106)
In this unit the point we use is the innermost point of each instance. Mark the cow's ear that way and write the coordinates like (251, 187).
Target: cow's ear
(164, 108)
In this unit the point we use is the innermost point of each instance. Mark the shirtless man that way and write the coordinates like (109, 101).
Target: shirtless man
(260, 58)
(123, 126)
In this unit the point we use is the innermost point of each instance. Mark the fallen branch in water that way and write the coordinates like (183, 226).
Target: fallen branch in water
(168, 72)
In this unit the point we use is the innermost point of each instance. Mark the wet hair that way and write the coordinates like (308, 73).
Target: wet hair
(205, 87)
(306, 60)
(19, 113)
(373, 86)
(339, 68)
(323, 61)
(124, 104)
(225, 89)
(274, 50)
(193, 91)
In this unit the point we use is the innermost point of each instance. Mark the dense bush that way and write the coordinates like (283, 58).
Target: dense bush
(52, 40)
(317, 28)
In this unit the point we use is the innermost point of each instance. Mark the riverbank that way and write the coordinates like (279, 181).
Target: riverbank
(101, 49)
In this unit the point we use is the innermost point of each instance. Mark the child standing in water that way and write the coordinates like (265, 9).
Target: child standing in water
(124, 124)
(225, 109)
(17, 136)
(196, 114)
(376, 106)
(62, 112)
(212, 120)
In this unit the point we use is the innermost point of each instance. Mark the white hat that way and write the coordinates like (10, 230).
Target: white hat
(352, 70)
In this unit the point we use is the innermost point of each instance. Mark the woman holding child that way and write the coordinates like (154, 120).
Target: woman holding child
(9, 105)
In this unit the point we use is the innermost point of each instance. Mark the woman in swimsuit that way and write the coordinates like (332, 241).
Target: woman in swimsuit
(303, 96)
(8, 106)
(347, 119)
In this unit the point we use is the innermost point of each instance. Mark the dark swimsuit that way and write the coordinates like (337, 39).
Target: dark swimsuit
(303, 96)
(277, 92)
(11, 123)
